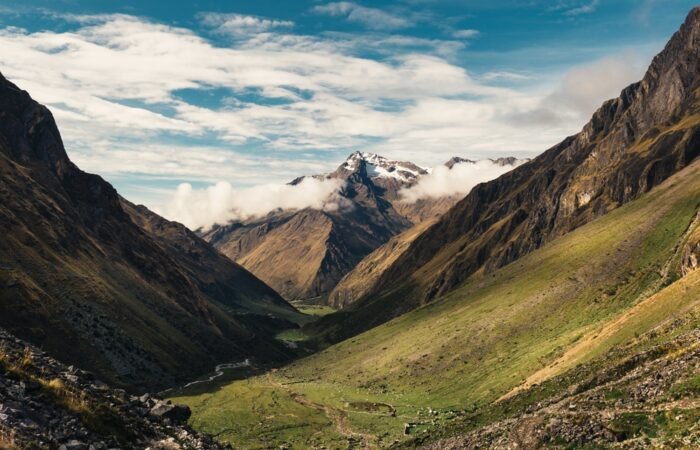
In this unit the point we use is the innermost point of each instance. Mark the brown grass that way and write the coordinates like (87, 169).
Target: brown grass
(71, 399)
(7, 439)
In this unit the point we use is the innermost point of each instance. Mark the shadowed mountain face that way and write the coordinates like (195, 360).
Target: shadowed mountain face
(303, 254)
(109, 286)
(631, 144)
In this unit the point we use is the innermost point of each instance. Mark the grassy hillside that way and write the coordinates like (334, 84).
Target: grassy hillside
(643, 388)
(559, 306)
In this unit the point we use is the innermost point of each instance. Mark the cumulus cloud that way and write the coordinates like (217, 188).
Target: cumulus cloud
(66, 70)
(443, 181)
(221, 203)
(372, 18)
(288, 99)
(241, 25)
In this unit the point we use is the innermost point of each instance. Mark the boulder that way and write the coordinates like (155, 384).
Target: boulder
(175, 413)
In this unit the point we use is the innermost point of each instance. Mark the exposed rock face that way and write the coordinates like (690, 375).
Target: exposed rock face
(631, 144)
(80, 278)
(691, 250)
(45, 404)
(303, 254)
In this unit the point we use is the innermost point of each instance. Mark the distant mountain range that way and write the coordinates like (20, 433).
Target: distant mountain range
(111, 286)
(304, 253)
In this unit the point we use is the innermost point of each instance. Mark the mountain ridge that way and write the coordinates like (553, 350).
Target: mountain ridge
(630, 144)
(82, 279)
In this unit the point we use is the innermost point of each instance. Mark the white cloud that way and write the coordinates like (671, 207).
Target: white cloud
(222, 203)
(411, 102)
(372, 18)
(465, 34)
(443, 181)
(505, 75)
(584, 88)
(241, 25)
(182, 162)
(586, 8)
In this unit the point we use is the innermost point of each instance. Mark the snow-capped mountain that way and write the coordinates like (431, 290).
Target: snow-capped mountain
(380, 167)
(304, 253)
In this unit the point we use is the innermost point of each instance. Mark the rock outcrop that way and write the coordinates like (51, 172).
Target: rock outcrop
(45, 404)
(691, 250)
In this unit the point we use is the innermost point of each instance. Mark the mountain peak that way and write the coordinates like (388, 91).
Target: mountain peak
(694, 16)
(458, 160)
(675, 68)
(377, 166)
(41, 141)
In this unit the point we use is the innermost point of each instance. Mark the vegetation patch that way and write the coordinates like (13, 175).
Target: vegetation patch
(632, 425)
(687, 387)
(372, 407)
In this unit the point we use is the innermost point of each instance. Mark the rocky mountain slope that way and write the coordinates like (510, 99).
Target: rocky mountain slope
(111, 287)
(631, 144)
(303, 254)
(45, 404)
(644, 395)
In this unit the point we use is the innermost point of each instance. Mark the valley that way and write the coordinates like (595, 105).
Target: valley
(461, 334)
(568, 303)
(504, 303)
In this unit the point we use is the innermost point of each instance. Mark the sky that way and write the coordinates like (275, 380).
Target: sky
(162, 96)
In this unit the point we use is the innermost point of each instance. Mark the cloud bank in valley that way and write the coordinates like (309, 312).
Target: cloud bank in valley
(222, 203)
(443, 181)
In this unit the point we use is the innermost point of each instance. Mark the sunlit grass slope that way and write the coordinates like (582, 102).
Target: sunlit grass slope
(533, 318)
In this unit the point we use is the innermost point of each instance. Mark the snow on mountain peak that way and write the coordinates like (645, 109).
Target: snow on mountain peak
(378, 166)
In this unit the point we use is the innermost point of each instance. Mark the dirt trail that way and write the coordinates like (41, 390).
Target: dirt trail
(335, 415)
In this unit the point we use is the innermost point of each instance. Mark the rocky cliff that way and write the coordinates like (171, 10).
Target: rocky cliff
(46, 404)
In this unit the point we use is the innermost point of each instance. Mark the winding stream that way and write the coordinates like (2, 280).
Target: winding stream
(219, 371)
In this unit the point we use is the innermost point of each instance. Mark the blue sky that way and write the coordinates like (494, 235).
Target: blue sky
(155, 94)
